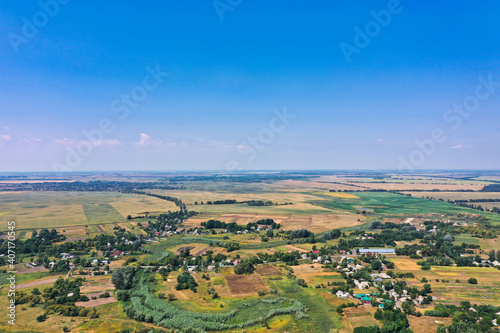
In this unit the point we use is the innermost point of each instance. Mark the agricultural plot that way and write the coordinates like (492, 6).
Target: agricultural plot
(311, 185)
(320, 302)
(452, 291)
(315, 273)
(314, 223)
(356, 317)
(409, 184)
(466, 238)
(456, 195)
(268, 270)
(245, 285)
(405, 264)
(37, 210)
(394, 204)
(426, 324)
(140, 204)
(490, 244)
(284, 202)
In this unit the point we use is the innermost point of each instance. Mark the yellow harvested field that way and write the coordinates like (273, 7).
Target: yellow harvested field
(426, 324)
(314, 223)
(96, 302)
(326, 222)
(52, 215)
(36, 283)
(296, 248)
(421, 187)
(96, 284)
(405, 264)
(196, 249)
(358, 316)
(339, 195)
(448, 273)
(308, 269)
(124, 226)
(192, 196)
(72, 231)
(457, 195)
(490, 244)
(139, 204)
(313, 185)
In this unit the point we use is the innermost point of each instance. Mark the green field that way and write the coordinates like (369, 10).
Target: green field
(466, 238)
(322, 313)
(101, 213)
(391, 204)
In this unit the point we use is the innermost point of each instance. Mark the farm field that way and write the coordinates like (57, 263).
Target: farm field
(35, 210)
(453, 292)
(413, 184)
(390, 204)
(315, 223)
(65, 209)
(427, 324)
(357, 317)
(456, 195)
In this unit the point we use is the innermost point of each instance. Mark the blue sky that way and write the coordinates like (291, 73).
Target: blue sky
(228, 77)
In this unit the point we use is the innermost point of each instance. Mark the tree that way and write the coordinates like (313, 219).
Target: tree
(41, 318)
(448, 238)
(376, 265)
(122, 278)
(186, 281)
(332, 234)
(244, 267)
(367, 329)
(472, 281)
(301, 233)
(492, 255)
(92, 314)
(427, 288)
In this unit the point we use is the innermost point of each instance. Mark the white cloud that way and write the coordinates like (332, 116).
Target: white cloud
(380, 140)
(65, 142)
(107, 142)
(5, 137)
(146, 140)
(216, 144)
(460, 146)
(32, 140)
(74, 142)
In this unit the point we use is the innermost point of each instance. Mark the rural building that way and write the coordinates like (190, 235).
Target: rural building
(341, 294)
(377, 251)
